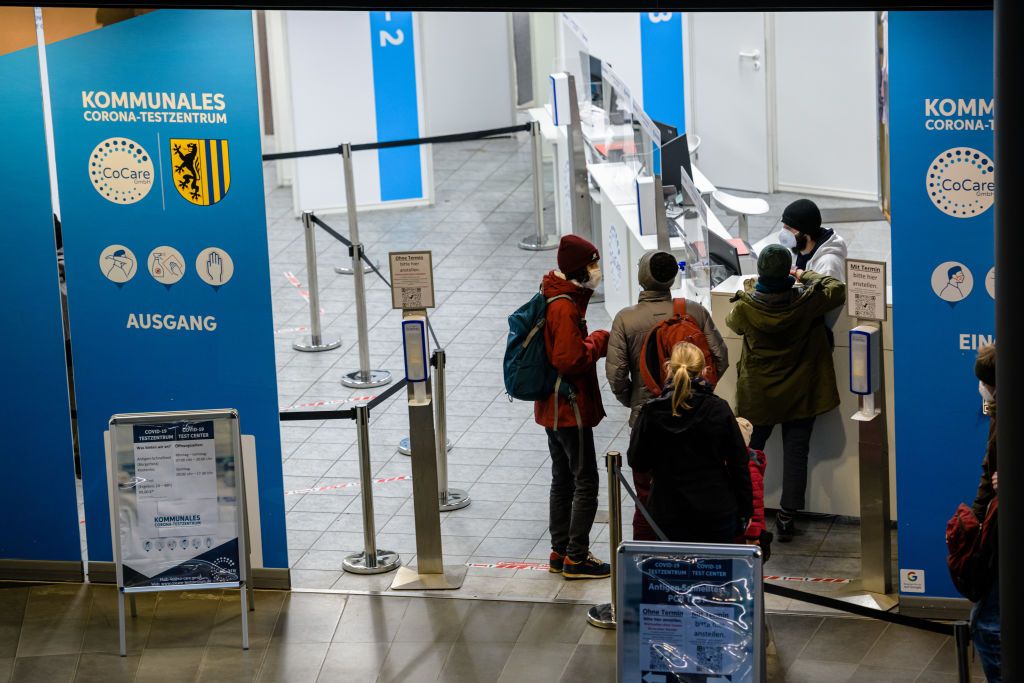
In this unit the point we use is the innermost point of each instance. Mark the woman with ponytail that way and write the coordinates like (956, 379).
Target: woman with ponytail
(689, 440)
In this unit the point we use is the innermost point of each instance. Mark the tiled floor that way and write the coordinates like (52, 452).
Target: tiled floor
(68, 632)
(483, 207)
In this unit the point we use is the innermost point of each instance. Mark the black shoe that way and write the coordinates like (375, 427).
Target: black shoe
(590, 568)
(556, 562)
(785, 528)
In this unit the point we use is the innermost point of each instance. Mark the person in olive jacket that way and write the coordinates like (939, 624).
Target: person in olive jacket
(689, 440)
(785, 373)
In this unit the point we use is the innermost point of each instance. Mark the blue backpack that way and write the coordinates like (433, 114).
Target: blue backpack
(529, 376)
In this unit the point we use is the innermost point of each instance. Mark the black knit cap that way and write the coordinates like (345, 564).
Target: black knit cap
(804, 215)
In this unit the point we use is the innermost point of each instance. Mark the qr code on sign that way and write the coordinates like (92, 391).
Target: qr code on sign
(709, 659)
(412, 297)
(864, 304)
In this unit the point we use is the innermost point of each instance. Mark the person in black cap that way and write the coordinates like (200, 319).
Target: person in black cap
(816, 248)
(785, 373)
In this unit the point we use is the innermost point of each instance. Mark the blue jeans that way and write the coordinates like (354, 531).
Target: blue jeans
(985, 633)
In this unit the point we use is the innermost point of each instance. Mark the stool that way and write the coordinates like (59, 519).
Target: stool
(742, 207)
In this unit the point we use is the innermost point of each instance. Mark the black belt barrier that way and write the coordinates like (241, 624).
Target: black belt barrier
(366, 259)
(388, 144)
(349, 414)
(813, 598)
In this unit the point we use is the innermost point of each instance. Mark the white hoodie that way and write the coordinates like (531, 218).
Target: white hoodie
(830, 259)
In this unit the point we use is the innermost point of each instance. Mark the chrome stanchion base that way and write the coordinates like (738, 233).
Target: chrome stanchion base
(535, 243)
(454, 499)
(356, 563)
(357, 380)
(405, 447)
(601, 616)
(306, 344)
(347, 270)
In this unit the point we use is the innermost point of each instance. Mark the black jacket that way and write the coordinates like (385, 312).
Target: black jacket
(698, 460)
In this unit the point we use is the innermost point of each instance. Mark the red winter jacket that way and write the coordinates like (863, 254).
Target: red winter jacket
(574, 354)
(758, 462)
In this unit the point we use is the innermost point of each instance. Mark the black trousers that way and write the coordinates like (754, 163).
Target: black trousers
(574, 485)
(796, 446)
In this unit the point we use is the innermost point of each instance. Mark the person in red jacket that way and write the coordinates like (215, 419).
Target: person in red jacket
(756, 532)
(571, 412)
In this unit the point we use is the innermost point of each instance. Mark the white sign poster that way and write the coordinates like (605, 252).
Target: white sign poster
(412, 279)
(866, 289)
(177, 502)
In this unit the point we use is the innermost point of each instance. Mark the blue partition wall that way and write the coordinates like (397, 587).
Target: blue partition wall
(37, 489)
(156, 126)
(940, 86)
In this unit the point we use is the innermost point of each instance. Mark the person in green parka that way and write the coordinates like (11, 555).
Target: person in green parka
(785, 373)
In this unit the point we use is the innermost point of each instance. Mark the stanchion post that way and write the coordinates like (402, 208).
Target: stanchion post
(603, 616)
(364, 377)
(449, 499)
(371, 560)
(316, 342)
(540, 241)
(962, 639)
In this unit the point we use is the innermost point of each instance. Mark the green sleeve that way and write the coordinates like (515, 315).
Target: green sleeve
(831, 292)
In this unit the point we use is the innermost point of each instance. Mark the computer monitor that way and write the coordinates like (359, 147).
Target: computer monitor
(675, 155)
(723, 253)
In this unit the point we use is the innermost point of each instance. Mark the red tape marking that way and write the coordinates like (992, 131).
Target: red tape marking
(346, 485)
(807, 579)
(535, 566)
(294, 281)
(333, 402)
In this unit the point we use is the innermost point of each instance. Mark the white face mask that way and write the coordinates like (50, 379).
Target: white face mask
(787, 239)
(986, 395)
(594, 280)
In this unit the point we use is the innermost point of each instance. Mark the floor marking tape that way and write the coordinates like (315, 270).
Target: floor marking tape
(346, 485)
(535, 566)
(294, 281)
(286, 330)
(806, 579)
(332, 402)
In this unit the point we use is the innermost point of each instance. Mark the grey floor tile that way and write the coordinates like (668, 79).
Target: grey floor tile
(554, 623)
(814, 671)
(370, 620)
(590, 664)
(876, 674)
(308, 618)
(905, 648)
(231, 664)
(354, 662)
(433, 621)
(170, 665)
(107, 667)
(495, 622)
(844, 640)
(537, 662)
(44, 669)
(475, 662)
(416, 662)
(287, 662)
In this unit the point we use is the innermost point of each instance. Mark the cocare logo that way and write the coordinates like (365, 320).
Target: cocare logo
(961, 182)
(121, 170)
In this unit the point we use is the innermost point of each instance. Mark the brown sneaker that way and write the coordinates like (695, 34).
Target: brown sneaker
(555, 562)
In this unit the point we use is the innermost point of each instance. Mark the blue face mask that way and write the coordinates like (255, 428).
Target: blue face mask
(787, 239)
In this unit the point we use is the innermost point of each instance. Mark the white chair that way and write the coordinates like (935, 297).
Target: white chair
(744, 207)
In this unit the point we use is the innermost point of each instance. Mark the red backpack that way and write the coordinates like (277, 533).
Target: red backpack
(660, 340)
(971, 548)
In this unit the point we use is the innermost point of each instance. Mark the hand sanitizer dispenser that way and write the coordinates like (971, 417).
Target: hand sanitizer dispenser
(417, 367)
(865, 356)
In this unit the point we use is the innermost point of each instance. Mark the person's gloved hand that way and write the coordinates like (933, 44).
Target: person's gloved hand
(599, 338)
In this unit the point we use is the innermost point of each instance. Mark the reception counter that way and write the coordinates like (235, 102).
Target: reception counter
(833, 479)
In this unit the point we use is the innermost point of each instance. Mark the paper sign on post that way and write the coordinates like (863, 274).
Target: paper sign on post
(412, 279)
(866, 289)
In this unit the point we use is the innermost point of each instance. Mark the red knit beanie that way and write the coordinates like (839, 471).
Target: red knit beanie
(575, 253)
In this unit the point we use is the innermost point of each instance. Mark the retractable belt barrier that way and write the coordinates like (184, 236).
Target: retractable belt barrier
(350, 414)
(388, 144)
(348, 243)
(959, 630)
